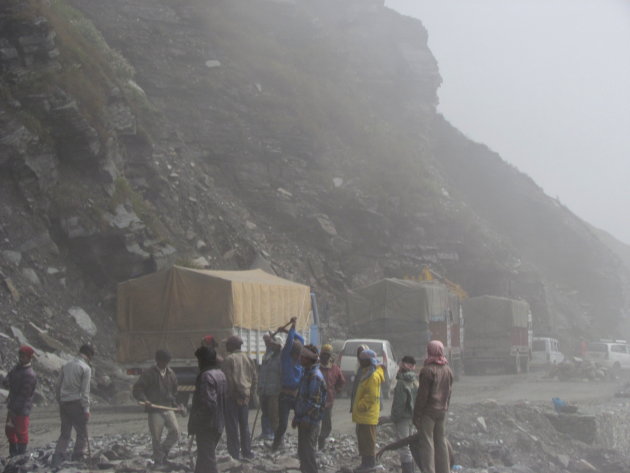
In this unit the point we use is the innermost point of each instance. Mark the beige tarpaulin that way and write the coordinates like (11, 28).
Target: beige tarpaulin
(397, 310)
(489, 314)
(176, 307)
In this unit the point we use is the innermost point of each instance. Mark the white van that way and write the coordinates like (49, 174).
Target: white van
(545, 352)
(609, 353)
(348, 361)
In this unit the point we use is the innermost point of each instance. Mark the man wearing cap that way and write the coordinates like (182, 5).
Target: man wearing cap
(207, 420)
(366, 408)
(156, 389)
(334, 384)
(241, 375)
(73, 395)
(292, 372)
(20, 382)
(269, 384)
(309, 408)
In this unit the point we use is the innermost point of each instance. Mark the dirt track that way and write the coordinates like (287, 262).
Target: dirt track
(108, 420)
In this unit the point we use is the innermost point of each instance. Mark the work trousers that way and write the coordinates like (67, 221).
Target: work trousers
(286, 402)
(72, 416)
(157, 422)
(366, 440)
(307, 444)
(269, 419)
(207, 451)
(326, 427)
(16, 429)
(237, 429)
(433, 444)
(404, 428)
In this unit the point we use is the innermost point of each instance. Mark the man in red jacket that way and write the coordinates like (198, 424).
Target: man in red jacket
(334, 384)
(20, 382)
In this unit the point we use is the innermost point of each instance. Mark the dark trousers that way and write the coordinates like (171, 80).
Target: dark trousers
(206, 451)
(307, 444)
(269, 415)
(286, 403)
(236, 420)
(326, 427)
(366, 440)
(72, 416)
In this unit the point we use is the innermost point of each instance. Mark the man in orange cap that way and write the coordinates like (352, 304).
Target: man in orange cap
(20, 382)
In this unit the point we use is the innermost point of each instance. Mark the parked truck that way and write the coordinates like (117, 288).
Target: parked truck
(409, 314)
(498, 335)
(175, 308)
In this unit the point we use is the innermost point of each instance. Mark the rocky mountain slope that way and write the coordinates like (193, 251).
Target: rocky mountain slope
(300, 137)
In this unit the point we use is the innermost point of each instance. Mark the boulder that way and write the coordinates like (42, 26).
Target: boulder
(83, 320)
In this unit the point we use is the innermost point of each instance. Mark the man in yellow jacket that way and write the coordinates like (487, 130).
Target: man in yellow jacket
(366, 408)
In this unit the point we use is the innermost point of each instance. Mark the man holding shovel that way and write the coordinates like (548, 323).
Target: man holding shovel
(156, 390)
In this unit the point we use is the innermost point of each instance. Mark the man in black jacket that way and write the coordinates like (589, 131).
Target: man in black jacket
(156, 389)
(207, 418)
(20, 382)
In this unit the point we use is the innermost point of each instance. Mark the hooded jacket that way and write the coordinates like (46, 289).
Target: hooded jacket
(404, 396)
(366, 405)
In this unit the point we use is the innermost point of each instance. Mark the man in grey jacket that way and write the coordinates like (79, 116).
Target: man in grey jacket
(269, 385)
(73, 395)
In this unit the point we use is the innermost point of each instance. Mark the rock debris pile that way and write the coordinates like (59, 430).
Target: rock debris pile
(486, 437)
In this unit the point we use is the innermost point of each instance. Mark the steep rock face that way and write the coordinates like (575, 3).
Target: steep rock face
(301, 137)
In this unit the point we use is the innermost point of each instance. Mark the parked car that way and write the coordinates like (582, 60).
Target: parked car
(610, 353)
(349, 364)
(545, 352)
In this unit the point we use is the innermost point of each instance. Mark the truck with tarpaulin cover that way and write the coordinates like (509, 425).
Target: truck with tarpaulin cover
(498, 334)
(409, 314)
(175, 308)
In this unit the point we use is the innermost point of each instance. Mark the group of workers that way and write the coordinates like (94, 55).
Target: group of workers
(293, 378)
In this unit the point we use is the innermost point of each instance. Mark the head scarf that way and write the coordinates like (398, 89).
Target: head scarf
(435, 353)
(368, 355)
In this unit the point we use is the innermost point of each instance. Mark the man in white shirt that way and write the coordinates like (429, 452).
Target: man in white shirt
(73, 395)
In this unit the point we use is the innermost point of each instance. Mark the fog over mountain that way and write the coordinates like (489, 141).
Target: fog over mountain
(545, 84)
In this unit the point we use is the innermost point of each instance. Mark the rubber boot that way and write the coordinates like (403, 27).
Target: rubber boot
(21, 448)
(12, 449)
(408, 467)
(370, 462)
(56, 460)
(362, 467)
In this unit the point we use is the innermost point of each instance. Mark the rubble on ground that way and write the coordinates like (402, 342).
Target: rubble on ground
(486, 438)
(578, 368)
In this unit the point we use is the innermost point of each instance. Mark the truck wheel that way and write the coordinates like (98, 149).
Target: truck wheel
(458, 369)
(182, 398)
(524, 365)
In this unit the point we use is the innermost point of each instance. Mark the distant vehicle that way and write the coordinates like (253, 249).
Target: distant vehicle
(349, 364)
(613, 354)
(498, 334)
(174, 308)
(545, 353)
(410, 313)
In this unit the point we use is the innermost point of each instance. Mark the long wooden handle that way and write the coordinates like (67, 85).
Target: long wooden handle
(282, 328)
(157, 406)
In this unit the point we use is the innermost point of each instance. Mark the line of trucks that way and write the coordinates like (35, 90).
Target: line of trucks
(175, 308)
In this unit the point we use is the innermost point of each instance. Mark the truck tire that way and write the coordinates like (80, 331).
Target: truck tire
(458, 369)
(524, 365)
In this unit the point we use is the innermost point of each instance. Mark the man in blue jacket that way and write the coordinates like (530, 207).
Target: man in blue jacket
(291, 375)
(309, 408)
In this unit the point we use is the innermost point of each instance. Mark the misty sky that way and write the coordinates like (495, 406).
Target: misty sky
(546, 83)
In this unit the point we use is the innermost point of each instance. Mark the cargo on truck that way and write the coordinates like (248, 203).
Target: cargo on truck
(409, 314)
(498, 334)
(175, 308)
